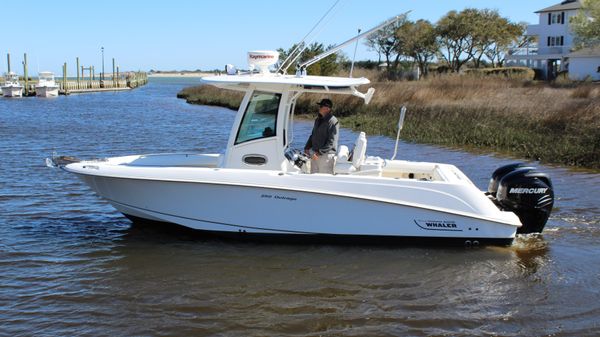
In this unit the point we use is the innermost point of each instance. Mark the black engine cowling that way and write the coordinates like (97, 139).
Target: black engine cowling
(528, 193)
(500, 173)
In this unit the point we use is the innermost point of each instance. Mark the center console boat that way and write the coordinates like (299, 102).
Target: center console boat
(260, 187)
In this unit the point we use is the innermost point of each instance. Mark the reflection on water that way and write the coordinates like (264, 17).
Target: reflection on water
(71, 265)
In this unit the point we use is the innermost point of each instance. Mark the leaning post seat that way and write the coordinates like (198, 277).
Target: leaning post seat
(343, 166)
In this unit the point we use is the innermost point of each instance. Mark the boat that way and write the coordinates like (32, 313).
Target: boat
(261, 188)
(46, 86)
(11, 86)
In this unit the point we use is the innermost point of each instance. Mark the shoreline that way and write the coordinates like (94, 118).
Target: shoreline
(180, 74)
(550, 124)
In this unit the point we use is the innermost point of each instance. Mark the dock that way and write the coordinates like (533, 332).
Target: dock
(126, 81)
(114, 81)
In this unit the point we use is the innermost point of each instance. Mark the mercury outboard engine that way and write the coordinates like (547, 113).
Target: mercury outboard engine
(526, 192)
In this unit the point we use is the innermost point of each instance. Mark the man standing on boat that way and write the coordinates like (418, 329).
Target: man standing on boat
(323, 140)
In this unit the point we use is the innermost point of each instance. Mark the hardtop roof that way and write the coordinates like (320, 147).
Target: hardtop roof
(277, 79)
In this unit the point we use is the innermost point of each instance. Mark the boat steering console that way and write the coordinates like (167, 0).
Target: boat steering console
(297, 157)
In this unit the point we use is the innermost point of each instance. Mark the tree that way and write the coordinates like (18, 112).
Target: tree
(455, 38)
(325, 67)
(586, 24)
(475, 35)
(486, 26)
(386, 42)
(419, 42)
(509, 34)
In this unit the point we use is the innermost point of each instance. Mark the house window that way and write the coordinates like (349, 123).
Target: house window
(556, 41)
(556, 18)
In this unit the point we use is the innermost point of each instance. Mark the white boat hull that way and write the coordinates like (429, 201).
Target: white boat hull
(46, 91)
(288, 209)
(12, 91)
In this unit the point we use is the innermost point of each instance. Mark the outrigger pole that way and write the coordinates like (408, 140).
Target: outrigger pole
(335, 49)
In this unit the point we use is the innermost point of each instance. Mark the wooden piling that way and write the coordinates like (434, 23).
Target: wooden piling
(113, 73)
(65, 89)
(77, 59)
(25, 74)
(8, 61)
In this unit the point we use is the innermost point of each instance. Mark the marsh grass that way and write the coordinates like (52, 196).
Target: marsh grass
(553, 124)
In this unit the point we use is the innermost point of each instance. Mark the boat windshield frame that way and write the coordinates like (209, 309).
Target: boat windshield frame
(251, 112)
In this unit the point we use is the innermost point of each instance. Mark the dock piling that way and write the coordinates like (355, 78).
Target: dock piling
(66, 91)
(25, 77)
(113, 73)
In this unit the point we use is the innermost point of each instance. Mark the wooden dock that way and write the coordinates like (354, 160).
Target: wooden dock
(126, 81)
(115, 81)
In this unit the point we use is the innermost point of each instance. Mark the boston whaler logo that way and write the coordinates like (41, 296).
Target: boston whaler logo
(437, 225)
(522, 190)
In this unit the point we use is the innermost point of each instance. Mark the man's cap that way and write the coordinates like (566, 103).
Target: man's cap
(326, 102)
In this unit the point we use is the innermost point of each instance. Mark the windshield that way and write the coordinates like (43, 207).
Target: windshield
(260, 118)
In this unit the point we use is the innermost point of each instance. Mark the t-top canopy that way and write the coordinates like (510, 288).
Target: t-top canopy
(323, 81)
(318, 84)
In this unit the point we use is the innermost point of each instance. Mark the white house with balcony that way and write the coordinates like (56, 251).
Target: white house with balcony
(553, 51)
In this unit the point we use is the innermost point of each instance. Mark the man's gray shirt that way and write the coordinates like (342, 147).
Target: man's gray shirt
(324, 136)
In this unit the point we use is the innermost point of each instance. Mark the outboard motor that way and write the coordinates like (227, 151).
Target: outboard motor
(527, 193)
(499, 174)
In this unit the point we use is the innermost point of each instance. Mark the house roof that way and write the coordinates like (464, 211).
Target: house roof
(563, 6)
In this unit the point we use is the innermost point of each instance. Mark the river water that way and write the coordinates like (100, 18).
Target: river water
(70, 265)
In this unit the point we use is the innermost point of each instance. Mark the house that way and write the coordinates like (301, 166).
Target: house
(585, 64)
(555, 40)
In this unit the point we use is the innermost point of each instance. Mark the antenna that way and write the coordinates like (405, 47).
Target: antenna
(354, 57)
(301, 43)
(359, 36)
(306, 45)
(400, 125)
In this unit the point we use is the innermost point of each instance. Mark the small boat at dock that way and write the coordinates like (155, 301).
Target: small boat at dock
(11, 86)
(46, 86)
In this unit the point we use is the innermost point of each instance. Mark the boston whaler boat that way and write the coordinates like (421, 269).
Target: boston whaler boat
(261, 187)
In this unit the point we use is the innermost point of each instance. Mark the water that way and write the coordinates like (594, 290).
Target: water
(71, 265)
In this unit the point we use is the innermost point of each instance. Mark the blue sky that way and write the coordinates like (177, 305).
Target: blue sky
(185, 34)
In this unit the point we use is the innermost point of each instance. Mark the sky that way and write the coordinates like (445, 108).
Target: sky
(201, 34)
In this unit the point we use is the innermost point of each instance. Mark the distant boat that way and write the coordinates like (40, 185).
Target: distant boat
(46, 86)
(11, 86)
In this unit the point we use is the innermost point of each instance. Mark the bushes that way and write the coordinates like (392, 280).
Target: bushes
(521, 73)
